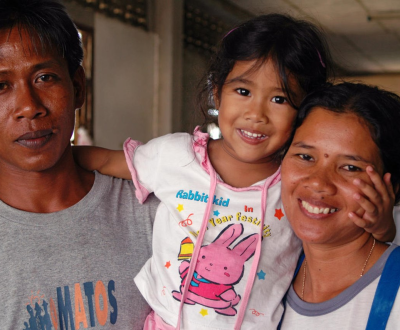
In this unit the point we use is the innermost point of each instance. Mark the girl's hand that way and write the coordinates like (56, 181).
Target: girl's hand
(378, 203)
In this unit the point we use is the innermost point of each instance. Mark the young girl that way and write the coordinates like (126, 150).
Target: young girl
(220, 227)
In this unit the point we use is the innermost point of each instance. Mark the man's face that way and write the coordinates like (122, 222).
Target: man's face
(37, 103)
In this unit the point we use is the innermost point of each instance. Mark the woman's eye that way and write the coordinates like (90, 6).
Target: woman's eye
(243, 91)
(279, 99)
(305, 157)
(351, 168)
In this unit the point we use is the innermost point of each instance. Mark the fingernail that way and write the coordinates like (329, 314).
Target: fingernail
(356, 196)
(357, 181)
(350, 215)
(370, 169)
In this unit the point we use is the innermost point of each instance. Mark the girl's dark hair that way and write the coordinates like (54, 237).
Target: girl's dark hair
(297, 48)
(378, 108)
(49, 26)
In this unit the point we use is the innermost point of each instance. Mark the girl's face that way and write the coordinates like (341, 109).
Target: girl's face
(255, 116)
(328, 152)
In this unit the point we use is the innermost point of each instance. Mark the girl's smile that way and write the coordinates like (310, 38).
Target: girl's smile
(252, 137)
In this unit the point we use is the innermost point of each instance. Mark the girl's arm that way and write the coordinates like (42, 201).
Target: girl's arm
(108, 162)
(378, 203)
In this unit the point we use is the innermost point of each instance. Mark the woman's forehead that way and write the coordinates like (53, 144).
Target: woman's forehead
(338, 134)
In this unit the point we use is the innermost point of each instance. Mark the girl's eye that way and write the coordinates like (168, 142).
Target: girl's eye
(305, 157)
(279, 99)
(243, 91)
(351, 168)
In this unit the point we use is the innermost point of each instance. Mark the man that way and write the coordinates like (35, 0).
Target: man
(71, 241)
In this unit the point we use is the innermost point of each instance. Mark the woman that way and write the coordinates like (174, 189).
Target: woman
(343, 131)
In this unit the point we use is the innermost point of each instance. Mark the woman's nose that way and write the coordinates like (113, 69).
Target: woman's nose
(321, 182)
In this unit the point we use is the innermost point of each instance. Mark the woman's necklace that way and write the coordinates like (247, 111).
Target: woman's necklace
(362, 270)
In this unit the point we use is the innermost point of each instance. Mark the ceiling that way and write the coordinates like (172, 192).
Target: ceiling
(364, 35)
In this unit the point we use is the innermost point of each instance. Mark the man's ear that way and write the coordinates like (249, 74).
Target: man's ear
(79, 82)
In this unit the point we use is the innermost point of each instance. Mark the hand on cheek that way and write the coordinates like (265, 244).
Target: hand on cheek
(377, 201)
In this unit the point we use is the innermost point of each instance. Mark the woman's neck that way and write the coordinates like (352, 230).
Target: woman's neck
(327, 270)
(235, 172)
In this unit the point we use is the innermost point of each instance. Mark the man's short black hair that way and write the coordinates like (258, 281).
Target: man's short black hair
(49, 26)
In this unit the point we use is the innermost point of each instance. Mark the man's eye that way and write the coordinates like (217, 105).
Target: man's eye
(46, 77)
(3, 86)
(243, 91)
(305, 157)
(279, 99)
(351, 168)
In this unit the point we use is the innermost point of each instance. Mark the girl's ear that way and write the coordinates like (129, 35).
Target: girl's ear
(216, 98)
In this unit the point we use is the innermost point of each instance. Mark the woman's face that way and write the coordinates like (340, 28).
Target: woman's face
(328, 152)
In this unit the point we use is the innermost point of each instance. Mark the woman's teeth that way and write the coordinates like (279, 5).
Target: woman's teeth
(317, 210)
(252, 135)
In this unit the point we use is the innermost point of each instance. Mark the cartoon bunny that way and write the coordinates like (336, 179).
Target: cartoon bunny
(217, 270)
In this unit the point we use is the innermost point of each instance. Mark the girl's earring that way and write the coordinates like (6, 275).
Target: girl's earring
(213, 112)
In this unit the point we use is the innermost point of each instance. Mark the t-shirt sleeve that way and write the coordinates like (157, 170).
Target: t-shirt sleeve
(139, 166)
(150, 163)
(143, 162)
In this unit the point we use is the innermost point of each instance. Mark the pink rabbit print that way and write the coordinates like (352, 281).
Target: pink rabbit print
(218, 269)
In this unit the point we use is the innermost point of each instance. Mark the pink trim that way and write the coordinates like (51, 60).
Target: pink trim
(199, 145)
(154, 322)
(129, 149)
(197, 246)
(257, 255)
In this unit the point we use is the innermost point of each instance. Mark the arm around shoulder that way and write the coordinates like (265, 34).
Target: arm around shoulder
(106, 161)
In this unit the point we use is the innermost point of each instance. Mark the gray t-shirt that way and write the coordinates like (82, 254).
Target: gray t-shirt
(74, 269)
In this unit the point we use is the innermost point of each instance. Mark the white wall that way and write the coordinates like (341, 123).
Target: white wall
(124, 83)
(390, 82)
(194, 68)
(137, 74)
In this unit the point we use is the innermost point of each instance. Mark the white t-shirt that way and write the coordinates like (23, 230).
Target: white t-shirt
(175, 167)
(347, 311)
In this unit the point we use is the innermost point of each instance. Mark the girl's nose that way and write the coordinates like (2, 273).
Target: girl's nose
(256, 112)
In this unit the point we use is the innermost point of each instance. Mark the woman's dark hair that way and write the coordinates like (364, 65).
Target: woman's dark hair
(297, 48)
(378, 108)
(49, 26)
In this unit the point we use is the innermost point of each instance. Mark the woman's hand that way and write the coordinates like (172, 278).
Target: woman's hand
(378, 203)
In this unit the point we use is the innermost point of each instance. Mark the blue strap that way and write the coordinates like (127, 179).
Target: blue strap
(299, 263)
(386, 292)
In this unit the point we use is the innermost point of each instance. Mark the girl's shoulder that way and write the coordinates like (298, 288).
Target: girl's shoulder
(182, 139)
(180, 147)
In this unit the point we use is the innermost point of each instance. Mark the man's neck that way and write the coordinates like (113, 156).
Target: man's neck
(48, 191)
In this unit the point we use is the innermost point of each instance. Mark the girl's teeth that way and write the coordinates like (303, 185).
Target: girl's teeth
(317, 210)
(252, 135)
